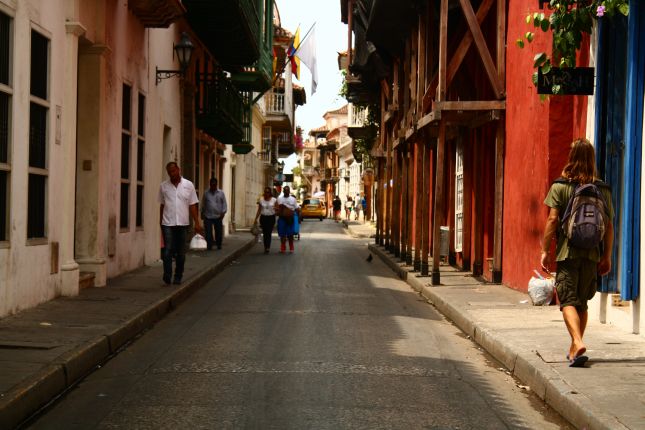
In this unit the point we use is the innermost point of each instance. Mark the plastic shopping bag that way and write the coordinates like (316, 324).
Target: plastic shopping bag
(255, 229)
(541, 289)
(198, 243)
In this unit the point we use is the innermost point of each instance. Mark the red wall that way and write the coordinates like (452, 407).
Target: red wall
(538, 135)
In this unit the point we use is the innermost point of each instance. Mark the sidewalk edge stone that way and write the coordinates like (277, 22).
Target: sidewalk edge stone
(546, 383)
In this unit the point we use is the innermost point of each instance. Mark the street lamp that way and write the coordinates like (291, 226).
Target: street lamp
(184, 50)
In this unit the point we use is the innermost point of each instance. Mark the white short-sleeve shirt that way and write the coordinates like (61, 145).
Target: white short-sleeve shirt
(176, 201)
(289, 202)
(267, 206)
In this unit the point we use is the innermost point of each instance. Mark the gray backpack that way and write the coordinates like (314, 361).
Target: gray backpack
(585, 219)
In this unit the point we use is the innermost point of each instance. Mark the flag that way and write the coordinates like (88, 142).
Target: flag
(306, 51)
(295, 61)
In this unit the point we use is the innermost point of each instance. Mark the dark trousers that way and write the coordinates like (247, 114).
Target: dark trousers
(209, 225)
(267, 222)
(174, 239)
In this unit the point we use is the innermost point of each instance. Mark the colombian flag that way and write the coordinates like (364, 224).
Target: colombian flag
(295, 61)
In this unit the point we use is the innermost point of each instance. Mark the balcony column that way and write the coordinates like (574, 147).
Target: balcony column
(410, 203)
(403, 223)
(418, 204)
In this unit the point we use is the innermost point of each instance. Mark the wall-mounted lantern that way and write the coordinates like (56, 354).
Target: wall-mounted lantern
(184, 50)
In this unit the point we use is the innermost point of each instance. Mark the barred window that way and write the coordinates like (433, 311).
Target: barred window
(5, 121)
(141, 152)
(38, 126)
(126, 136)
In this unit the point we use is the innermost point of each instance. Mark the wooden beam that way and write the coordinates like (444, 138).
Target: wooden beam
(484, 53)
(471, 105)
(385, 90)
(410, 204)
(443, 50)
(499, 201)
(421, 64)
(459, 55)
(403, 245)
(501, 41)
(432, 117)
(439, 203)
(350, 29)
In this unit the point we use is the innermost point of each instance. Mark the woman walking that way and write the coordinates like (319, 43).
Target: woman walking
(287, 206)
(266, 213)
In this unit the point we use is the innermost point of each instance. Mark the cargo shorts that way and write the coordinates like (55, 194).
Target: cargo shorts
(575, 282)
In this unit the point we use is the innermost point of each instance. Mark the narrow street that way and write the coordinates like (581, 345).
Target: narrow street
(321, 339)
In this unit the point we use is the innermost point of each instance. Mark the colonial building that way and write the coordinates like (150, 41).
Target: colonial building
(95, 98)
(468, 149)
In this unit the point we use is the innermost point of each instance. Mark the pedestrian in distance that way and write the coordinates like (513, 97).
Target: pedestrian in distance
(266, 214)
(336, 205)
(349, 204)
(357, 206)
(213, 210)
(178, 202)
(364, 207)
(286, 207)
(579, 262)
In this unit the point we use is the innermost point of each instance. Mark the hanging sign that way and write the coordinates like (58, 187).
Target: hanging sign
(572, 81)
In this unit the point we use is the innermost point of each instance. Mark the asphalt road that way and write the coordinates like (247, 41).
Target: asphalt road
(321, 339)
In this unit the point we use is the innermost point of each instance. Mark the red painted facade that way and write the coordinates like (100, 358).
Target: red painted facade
(538, 135)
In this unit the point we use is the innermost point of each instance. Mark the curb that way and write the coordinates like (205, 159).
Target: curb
(527, 367)
(35, 392)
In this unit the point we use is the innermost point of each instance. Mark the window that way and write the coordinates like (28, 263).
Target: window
(126, 135)
(38, 125)
(459, 197)
(5, 121)
(141, 146)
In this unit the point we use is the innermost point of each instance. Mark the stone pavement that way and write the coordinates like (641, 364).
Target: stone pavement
(47, 349)
(531, 342)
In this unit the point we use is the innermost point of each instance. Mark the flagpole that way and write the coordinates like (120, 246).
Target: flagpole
(285, 64)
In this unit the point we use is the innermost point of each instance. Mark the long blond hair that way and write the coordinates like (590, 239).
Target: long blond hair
(581, 166)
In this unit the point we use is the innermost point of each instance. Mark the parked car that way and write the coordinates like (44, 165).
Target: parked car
(313, 208)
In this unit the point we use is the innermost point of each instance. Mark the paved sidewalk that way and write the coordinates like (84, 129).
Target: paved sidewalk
(45, 350)
(360, 229)
(531, 342)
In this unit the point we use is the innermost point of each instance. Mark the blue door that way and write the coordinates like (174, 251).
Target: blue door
(611, 88)
(619, 132)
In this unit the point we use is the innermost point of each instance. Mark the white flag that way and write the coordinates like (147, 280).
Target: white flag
(307, 54)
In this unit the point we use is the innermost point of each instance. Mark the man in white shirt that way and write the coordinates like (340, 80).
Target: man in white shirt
(213, 210)
(178, 201)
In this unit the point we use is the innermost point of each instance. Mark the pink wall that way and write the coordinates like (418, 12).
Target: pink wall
(538, 135)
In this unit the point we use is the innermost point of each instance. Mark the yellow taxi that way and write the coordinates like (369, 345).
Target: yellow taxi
(313, 208)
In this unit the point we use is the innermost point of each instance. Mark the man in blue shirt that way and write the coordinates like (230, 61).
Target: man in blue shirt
(213, 210)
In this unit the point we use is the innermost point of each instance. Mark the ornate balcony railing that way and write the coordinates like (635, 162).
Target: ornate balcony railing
(357, 116)
(220, 108)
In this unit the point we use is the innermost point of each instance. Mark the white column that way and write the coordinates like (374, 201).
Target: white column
(69, 267)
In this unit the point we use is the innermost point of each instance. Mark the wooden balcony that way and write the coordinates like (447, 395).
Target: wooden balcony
(230, 29)
(258, 76)
(219, 108)
(157, 13)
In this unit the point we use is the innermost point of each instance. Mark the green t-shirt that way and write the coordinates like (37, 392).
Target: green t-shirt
(558, 197)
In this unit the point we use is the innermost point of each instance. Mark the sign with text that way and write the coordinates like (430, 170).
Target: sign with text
(572, 81)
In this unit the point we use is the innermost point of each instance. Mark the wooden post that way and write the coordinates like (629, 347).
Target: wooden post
(439, 203)
(499, 201)
(396, 204)
(443, 50)
(425, 232)
(410, 203)
(478, 251)
(403, 245)
(468, 218)
(350, 28)
(388, 194)
(418, 226)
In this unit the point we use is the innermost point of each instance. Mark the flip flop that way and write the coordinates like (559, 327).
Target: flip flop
(579, 361)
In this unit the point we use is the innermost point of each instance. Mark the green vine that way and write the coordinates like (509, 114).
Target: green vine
(568, 22)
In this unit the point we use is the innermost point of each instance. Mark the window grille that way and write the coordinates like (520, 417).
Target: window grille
(141, 153)
(5, 121)
(126, 136)
(38, 126)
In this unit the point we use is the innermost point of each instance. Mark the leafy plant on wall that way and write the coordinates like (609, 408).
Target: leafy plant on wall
(569, 21)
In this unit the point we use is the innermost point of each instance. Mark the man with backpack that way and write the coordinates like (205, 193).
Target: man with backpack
(580, 216)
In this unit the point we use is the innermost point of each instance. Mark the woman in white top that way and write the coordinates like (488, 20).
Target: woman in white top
(287, 206)
(266, 213)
